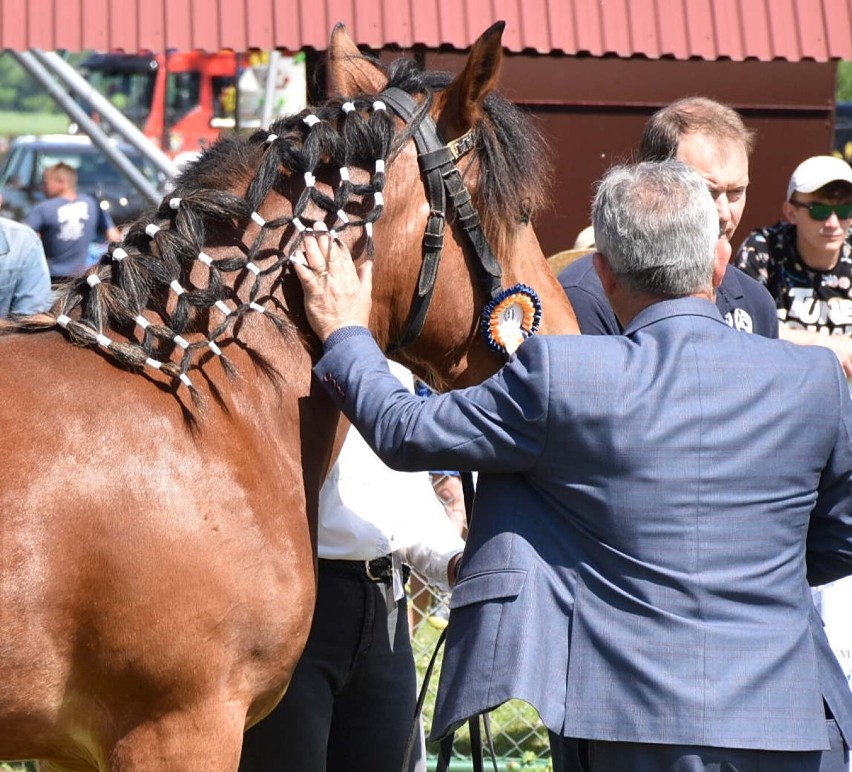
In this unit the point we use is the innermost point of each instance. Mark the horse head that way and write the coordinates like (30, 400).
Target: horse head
(489, 159)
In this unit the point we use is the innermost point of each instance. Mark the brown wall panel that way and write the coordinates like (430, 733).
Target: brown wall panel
(593, 111)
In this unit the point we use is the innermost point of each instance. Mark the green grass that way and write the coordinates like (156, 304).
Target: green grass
(13, 124)
(519, 738)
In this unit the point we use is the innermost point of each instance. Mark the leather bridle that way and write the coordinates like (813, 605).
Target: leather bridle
(443, 180)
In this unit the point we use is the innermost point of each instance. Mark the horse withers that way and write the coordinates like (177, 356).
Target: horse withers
(159, 491)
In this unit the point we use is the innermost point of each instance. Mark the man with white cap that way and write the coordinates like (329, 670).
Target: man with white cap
(805, 260)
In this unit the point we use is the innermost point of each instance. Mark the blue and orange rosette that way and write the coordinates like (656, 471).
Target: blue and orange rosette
(510, 318)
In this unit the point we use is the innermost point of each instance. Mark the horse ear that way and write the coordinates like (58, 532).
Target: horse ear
(352, 73)
(461, 102)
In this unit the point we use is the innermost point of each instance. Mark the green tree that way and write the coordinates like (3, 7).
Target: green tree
(844, 81)
(21, 93)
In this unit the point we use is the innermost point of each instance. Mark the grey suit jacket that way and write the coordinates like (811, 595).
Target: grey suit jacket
(647, 510)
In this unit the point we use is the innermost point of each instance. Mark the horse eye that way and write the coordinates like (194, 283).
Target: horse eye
(524, 219)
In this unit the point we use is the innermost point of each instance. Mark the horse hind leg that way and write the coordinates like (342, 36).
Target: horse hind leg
(182, 742)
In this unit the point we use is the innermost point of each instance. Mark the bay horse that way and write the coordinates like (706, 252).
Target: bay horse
(159, 491)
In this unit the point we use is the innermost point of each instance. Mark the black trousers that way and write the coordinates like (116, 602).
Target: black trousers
(350, 705)
(571, 755)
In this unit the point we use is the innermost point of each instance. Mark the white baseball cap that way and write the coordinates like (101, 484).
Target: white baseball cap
(817, 171)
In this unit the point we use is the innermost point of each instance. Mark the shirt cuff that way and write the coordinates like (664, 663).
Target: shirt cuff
(344, 333)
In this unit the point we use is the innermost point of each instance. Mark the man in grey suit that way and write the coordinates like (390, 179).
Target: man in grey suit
(650, 506)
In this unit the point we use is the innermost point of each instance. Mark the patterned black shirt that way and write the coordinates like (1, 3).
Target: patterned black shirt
(805, 298)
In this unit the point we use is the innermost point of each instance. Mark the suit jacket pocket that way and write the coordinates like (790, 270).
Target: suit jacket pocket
(503, 584)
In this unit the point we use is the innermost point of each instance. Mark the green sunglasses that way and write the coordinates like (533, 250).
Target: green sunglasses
(821, 212)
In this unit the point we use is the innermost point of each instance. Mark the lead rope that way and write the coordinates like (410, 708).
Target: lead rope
(445, 749)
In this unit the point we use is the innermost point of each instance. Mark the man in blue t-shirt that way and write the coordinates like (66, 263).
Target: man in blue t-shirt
(712, 139)
(68, 222)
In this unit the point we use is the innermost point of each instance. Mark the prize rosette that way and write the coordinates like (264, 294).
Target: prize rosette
(510, 318)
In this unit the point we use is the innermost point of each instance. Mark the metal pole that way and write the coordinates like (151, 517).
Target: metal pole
(131, 133)
(78, 114)
(271, 82)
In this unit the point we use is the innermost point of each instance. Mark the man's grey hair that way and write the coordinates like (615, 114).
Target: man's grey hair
(657, 225)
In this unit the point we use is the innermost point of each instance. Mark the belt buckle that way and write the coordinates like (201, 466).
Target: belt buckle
(368, 569)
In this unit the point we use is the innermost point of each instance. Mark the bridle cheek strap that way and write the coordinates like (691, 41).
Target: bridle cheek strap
(442, 177)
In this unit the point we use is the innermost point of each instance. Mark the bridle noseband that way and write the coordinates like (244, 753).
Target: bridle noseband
(437, 161)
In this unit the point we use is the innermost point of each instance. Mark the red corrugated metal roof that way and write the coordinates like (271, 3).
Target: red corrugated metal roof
(708, 29)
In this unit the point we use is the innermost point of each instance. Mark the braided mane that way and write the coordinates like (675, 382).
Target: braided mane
(141, 289)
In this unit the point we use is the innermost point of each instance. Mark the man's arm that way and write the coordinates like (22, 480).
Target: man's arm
(499, 425)
(35, 219)
(841, 345)
(107, 226)
(496, 426)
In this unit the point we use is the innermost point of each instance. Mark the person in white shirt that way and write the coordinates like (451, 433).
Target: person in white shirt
(350, 704)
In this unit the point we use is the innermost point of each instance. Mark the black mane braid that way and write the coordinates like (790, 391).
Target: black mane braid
(150, 270)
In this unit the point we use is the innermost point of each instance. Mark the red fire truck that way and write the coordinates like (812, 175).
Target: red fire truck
(181, 100)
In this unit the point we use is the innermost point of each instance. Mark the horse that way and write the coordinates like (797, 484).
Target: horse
(165, 442)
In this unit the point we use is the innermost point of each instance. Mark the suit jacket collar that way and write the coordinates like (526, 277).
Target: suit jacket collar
(666, 309)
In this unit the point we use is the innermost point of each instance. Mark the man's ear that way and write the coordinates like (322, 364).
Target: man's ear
(723, 257)
(605, 273)
(790, 212)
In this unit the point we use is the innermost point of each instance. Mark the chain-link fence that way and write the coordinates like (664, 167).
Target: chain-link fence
(519, 739)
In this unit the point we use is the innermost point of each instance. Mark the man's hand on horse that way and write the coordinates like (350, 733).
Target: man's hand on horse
(337, 294)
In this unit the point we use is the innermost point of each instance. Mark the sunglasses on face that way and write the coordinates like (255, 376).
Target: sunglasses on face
(821, 212)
